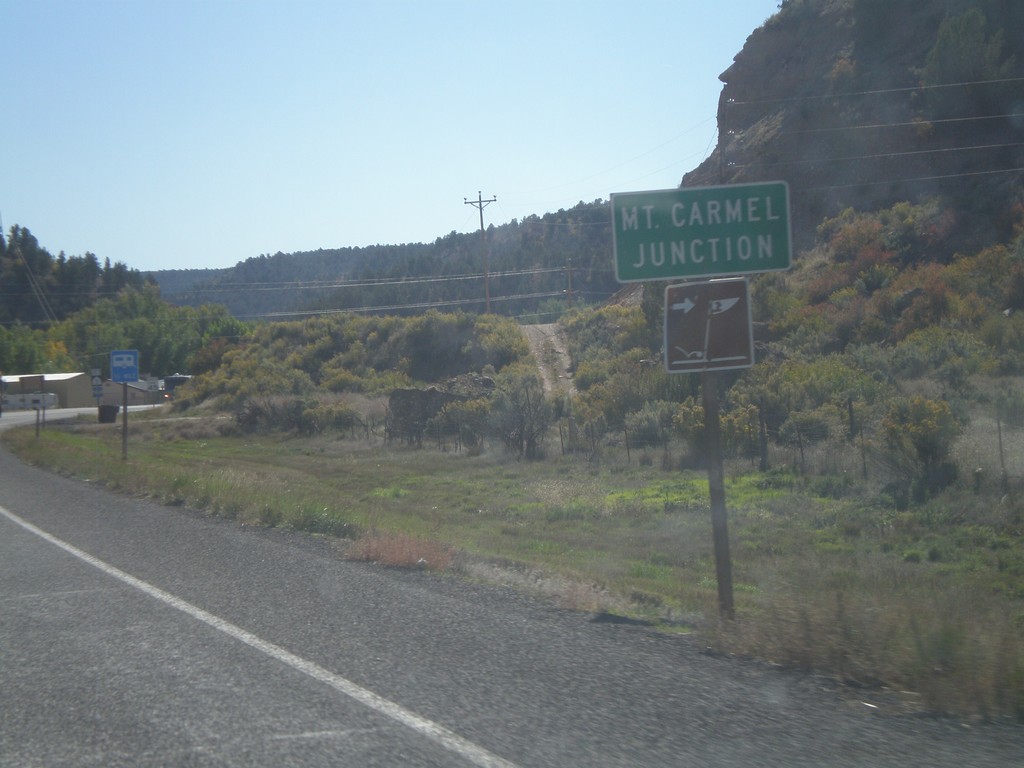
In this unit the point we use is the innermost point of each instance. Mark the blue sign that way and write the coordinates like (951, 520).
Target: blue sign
(124, 366)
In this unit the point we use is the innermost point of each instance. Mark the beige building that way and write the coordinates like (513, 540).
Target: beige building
(139, 393)
(73, 390)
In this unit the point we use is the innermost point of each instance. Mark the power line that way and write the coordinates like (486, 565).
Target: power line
(392, 307)
(364, 283)
(916, 123)
(335, 285)
(853, 158)
(913, 123)
(37, 288)
(875, 92)
(946, 177)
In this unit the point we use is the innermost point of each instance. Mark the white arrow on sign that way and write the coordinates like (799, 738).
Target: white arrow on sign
(686, 305)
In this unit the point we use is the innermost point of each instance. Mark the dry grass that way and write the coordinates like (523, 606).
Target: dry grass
(878, 623)
(399, 550)
(928, 599)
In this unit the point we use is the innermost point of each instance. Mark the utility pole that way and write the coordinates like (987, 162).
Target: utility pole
(569, 275)
(480, 204)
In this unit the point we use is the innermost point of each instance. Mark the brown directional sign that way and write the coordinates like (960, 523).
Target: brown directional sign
(708, 326)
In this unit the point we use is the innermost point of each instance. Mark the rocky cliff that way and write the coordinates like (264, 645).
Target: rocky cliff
(863, 103)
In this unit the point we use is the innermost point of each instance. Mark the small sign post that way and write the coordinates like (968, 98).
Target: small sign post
(702, 233)
(97, 385)
(708, 328)
(124, 368)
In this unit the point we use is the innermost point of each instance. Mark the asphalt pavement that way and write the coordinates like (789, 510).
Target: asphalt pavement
(133, 634)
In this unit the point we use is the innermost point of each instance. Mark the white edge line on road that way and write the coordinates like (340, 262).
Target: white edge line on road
(437, 733)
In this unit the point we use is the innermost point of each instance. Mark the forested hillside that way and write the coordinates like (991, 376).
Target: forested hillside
(536, 266)
(66, 313)
(855, 103)
(40, 288)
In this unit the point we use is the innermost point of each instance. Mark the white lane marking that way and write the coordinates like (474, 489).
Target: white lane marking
(433, 731)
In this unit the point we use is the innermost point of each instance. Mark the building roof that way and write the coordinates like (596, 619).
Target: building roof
(17, 377)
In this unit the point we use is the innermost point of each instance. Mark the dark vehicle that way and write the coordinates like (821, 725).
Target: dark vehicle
(170, 382)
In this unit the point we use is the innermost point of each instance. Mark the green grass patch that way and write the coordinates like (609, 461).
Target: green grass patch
(929, 599)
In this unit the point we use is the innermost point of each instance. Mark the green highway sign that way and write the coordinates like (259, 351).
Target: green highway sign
(701, 231)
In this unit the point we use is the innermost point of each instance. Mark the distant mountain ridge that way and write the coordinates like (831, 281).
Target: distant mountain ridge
(855, 103)
(174, 282)
(563, 256)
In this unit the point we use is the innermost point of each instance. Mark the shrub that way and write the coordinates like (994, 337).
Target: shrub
(935, 348)
(342, 380)
(964, 52)
(591, 372)
(323, 417)
(609, 331)
(741, 430)
(522, 415)
(650, 425)
(805, 427)
(466, 419)
(924, 430)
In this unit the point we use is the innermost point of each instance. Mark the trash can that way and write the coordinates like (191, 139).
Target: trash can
(108, 414)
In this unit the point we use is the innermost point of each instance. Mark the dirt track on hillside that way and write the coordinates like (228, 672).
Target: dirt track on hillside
(547, 343)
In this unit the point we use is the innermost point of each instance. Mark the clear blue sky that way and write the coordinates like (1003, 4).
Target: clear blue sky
(198, 133)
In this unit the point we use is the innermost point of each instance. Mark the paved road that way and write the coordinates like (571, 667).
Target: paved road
(137, 635)
(19, 418)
